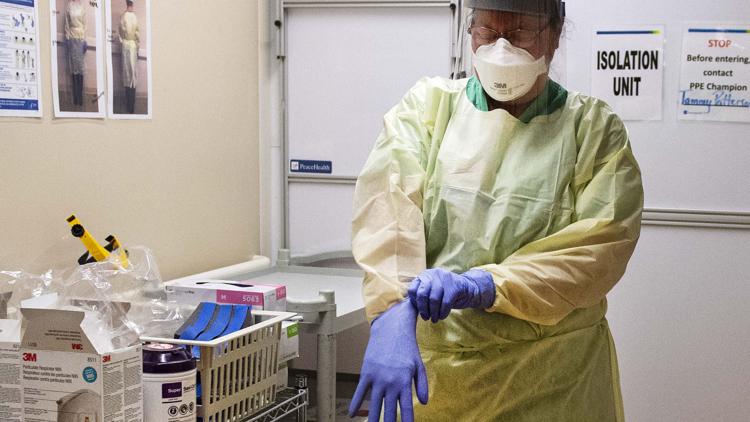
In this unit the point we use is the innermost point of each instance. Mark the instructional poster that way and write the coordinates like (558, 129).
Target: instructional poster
(715, 81)
(628, 71)
(129, 58)
(77, 58)
(20, 82)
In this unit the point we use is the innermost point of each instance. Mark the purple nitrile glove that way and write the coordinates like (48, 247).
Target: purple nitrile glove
(436, 292)
(392, 362)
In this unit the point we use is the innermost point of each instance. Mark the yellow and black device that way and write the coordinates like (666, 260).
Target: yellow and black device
(114, 245)
(94, 251)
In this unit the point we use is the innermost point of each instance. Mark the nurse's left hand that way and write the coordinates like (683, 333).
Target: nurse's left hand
(391, 366)
(436, 292)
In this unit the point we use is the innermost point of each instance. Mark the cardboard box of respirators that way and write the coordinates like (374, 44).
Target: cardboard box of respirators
(11, 406)
(65, 378)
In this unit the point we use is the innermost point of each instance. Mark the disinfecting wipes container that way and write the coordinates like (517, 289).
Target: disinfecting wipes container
(169, 379)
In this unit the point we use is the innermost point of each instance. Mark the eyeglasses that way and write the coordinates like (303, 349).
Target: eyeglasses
(522, 38)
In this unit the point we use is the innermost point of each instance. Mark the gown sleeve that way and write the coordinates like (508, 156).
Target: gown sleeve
(388, 238)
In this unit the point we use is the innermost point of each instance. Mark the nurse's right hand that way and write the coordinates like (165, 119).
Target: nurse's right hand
(391, 363)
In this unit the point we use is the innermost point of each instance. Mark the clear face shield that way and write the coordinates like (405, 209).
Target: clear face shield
(464, 65)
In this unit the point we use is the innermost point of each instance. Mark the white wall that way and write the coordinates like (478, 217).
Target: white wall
(681, 327)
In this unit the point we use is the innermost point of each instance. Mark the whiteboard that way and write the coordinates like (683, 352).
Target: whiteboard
(320, 218)
(346, 67)
(685, 165)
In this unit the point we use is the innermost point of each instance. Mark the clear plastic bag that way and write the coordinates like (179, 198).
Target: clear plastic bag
(122, 299)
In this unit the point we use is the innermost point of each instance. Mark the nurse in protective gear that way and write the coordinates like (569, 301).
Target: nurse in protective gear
(75, 46)
(492, 217)
(130, 42)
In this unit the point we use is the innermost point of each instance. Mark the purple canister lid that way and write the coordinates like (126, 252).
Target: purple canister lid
(163, 358)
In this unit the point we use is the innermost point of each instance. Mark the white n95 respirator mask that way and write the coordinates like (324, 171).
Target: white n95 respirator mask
(507, 72)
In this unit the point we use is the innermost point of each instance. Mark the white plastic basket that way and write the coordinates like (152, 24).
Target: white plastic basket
(237, 372)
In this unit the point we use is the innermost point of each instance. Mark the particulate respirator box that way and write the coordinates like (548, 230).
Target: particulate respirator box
(66, 379)
(11, 405)
(260, 296)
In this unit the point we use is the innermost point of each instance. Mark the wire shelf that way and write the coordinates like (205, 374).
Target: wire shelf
(288, 403)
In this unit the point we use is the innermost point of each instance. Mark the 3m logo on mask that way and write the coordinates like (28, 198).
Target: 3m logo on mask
(500, 85)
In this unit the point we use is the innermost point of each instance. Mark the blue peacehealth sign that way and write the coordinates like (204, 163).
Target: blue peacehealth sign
(311, 166)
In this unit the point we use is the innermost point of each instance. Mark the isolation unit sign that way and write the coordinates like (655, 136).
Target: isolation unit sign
(628, 70)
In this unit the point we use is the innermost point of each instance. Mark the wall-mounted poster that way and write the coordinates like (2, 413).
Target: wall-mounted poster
(715, 82)
(77, 58)
(628, 71)
(20, 79)
(129, 58)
